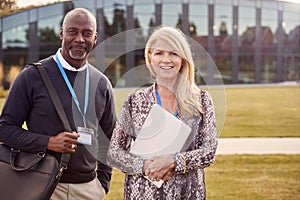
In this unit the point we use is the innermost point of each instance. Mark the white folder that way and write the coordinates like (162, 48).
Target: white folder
(161, 134)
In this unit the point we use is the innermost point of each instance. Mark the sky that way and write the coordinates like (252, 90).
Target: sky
(294, 1)
(24, 3)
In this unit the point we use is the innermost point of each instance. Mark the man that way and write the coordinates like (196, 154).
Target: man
(87, 97)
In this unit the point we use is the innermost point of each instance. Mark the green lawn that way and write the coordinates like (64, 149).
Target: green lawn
(262, 112)
(254, 177)
(250, 112)
(242, 177)
(254, 111)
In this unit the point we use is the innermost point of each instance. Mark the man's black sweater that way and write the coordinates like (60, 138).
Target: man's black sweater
(28, 101)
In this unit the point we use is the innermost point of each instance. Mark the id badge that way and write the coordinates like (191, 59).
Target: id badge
(86, 135)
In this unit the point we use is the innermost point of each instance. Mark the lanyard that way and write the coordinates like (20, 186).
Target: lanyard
(159, 102)
(74, 96)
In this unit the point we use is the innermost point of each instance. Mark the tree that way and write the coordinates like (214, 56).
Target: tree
(7, 7)
(223, 29)
(49, 41)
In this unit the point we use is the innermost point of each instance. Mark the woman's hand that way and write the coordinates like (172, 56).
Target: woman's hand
(159, 167)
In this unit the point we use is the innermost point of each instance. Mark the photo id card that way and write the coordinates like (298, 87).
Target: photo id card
(86, 135)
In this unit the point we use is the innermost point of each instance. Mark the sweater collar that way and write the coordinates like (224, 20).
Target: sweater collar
(66, 65)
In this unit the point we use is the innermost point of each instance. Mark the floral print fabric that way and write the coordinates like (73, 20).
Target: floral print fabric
(199, 151)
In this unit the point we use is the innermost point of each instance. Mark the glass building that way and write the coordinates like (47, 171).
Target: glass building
(249, 41)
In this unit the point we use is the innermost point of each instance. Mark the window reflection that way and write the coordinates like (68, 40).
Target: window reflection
(265, 47)
(15, 45)
(48, 33)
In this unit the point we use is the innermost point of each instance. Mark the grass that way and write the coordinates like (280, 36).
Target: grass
(245, 177)
(250, 112)
(262, 112)
(254, 111)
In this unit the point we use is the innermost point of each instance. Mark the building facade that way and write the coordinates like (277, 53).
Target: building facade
(247, 41)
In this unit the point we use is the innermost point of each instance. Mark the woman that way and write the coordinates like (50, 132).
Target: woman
(169, 59)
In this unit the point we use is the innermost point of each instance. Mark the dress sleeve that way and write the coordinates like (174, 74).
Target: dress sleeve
(118, 153)
(205, 143)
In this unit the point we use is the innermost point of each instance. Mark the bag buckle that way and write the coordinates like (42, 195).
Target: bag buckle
(15, 150)
(42, 154)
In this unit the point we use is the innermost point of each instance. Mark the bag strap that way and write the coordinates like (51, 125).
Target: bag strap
(54, 96)
(59, 109)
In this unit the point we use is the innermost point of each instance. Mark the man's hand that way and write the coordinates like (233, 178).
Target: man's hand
(64, 142)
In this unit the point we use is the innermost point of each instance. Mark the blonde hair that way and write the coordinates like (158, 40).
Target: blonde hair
(187, 92)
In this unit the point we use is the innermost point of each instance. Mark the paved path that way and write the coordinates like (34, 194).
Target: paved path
(258, 146)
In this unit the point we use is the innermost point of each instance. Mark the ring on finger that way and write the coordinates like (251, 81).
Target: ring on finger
(73, 146)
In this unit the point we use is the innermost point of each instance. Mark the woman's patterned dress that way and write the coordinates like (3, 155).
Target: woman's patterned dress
(199, 151)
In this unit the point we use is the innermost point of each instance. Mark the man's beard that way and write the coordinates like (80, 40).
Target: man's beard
(77, 56)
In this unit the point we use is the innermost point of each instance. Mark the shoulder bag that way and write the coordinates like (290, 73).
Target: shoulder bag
(30, 176)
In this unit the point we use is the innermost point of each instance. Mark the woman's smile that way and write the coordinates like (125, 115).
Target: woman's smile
(166, 67)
